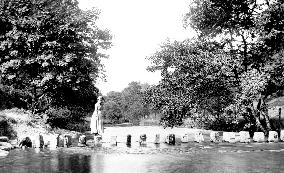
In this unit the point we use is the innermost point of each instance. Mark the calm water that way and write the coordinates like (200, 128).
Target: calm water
(183, 158)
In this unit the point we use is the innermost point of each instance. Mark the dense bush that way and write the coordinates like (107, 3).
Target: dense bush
(66, 118)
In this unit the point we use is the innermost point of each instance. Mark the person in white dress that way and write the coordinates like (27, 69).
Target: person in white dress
(96, 120)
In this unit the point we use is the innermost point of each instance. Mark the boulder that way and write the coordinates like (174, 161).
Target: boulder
(244, 136)
(258, 137)
(273, 136)
(198, 137)
(215, 137)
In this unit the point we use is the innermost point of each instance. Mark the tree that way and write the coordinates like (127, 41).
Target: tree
(252, 32)
(195, 76)
(128, 105)
(112, 109)
(51, 51)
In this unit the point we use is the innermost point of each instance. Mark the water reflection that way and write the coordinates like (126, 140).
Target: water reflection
(92, 161)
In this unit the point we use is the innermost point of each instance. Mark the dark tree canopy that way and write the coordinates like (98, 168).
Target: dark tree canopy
(50, 49)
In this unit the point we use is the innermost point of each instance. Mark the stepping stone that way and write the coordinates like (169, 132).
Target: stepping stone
(229, 137)
(157, 139)
(113, 140)
(244, 136)
(170, 139)
(60, 141)
(258, 137)
(185, 138)
(82, 141)
(37, 141)
(53, 142)
(67, 141)
(198, 137)
(142, 139)
(282, 135)
(273, 136)
(215, 137)
(128, 140)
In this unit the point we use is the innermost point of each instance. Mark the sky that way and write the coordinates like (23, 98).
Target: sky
(138, 27)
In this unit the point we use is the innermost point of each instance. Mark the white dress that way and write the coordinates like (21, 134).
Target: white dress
(96, 120)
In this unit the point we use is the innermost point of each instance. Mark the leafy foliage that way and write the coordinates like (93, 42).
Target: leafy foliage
(236, 65)
(126, 106)
(50, 50)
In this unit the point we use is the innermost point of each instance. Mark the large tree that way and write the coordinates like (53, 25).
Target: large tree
(50, 51)
(249, 33)
(196, 79)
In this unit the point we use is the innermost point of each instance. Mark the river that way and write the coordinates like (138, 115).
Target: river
(191, 157)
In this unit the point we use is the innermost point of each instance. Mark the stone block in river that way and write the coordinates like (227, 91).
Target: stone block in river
(215, 137)
(273, 136)
(258, 137)
(53, 141)
(4, 139)
(128, 140)
(113, 140)
(98, 140)
(171, 139)
(244, 136)
(142, 139)
(282, 135)
(26, 142)
(198, 137)
(185, 138)
(229, 137)
(67, 141)
(60, 141)
(157, 139)
(90, 143)
(82, 141)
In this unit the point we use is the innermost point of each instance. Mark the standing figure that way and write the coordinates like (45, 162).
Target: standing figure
(97, 121)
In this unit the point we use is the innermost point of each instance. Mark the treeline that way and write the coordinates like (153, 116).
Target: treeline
(50, 58)
(128, 105)
(228, 72)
